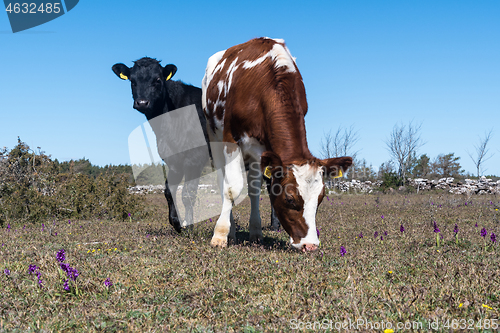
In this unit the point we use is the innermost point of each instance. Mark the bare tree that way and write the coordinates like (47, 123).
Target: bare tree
(340, 143)
(403, 145)
(481, 155)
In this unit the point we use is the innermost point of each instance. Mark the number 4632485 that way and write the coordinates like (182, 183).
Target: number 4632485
(32, 8)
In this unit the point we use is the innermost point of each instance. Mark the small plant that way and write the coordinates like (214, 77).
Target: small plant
(436, 231)
(71, 273)
(34, 269)
(343, 251)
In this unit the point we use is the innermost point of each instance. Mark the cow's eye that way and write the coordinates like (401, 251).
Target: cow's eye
(158, 80)
(290, 201)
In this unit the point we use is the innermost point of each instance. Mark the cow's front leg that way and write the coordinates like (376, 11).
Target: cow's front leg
(275, 222)
(231, 182)
(254, 179)
(189, 192)
(171, 184)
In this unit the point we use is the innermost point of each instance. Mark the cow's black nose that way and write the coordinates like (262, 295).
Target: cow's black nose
(141, 103)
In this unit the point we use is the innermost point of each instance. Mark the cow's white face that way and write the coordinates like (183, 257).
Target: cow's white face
(297, 191)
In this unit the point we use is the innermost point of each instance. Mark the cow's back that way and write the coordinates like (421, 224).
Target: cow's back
(249, 87)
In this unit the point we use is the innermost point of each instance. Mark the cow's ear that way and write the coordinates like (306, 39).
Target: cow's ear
(121, 70)
(169, 71)
(337, 166)
(271, 165)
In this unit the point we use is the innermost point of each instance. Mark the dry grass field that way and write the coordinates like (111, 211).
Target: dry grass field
(164, 282)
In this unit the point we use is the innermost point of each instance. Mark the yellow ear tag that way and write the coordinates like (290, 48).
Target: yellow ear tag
(123, 77)
(267, 172)
(169, 76)
(339, 175)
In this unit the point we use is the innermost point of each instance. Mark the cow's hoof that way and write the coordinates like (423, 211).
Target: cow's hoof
(176, 224)
(256, 237)
(219, 242)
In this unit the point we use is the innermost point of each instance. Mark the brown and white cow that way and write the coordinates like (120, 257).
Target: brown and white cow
(255, 102)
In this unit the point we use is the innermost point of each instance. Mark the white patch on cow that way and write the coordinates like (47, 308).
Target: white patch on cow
(251, 148)
(277, 40)
(211, 69)
(282, 58)
(310, 185)
(230, 73)
(249, 64)
(220, 85)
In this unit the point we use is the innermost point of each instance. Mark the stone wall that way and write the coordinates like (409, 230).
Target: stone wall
(481, 186)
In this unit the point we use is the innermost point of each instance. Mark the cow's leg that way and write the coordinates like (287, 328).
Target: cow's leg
(171, 184)
(231, 182)
(254, 179)
(189, 191)
(275, 223)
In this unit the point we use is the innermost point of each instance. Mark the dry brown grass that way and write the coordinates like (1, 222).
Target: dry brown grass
(166, 282)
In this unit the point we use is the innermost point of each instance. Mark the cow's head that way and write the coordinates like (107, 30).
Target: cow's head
(148, 79)
(296, 192)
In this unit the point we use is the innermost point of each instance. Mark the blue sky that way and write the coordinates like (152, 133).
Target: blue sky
(364, 63)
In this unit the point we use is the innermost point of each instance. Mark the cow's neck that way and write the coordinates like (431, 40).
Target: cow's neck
(287, 138)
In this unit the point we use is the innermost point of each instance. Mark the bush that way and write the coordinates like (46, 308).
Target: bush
(33, 188)
(390, 180)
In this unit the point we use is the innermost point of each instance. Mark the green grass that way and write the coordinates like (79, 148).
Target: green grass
(168, 282)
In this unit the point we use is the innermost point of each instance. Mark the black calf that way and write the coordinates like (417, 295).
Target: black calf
(155, 94)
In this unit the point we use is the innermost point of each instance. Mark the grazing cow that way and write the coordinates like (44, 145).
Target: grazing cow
(155, 94)
(254, 99)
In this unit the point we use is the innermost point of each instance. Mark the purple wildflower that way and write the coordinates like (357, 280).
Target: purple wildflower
(66, 285)
(61, 255)
(375, 234)
(436, 229)
(72, 273)
(24, 227)
(69, 221)
(476, 225)
(484, 233)
(108, 283)
(317, 231)
(493, 237)
(8, 226)
(32, 269)
(7, 271)
(43, 226)
(381, 238)
(360, 235)
(401, 228)
(455, 230)
(385, 233)
(382, 216)
(342, 251)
